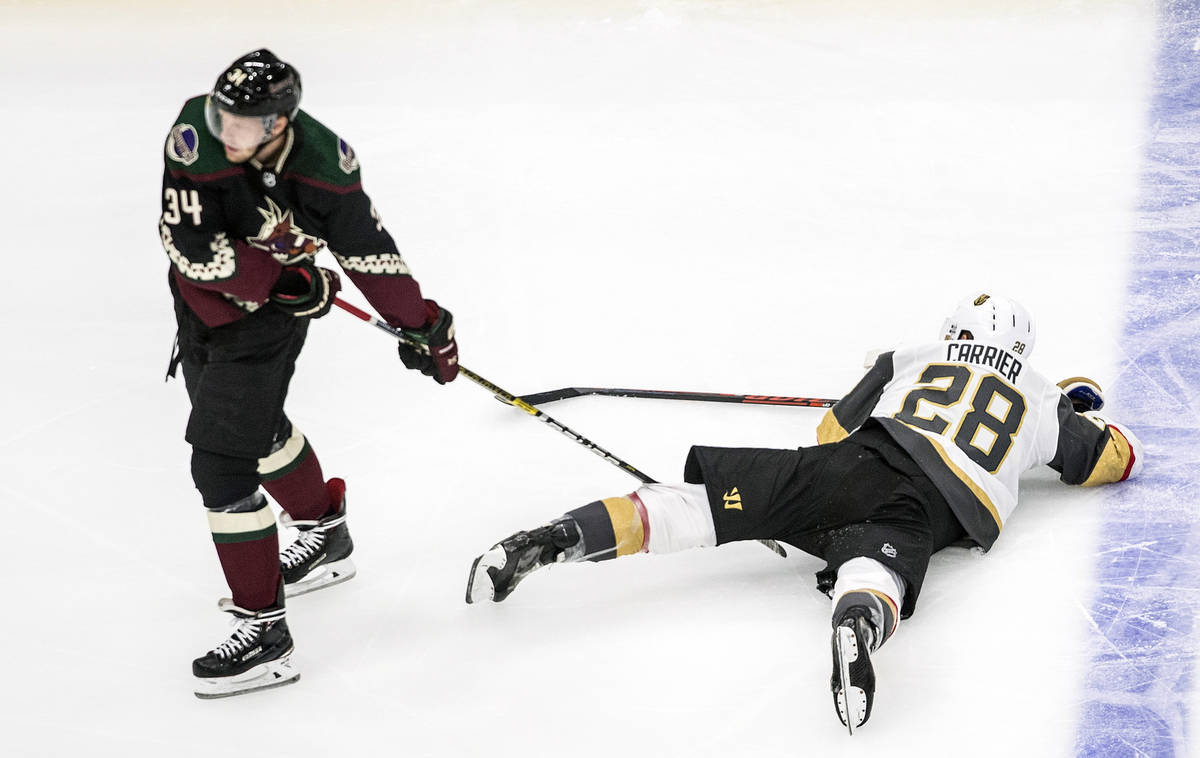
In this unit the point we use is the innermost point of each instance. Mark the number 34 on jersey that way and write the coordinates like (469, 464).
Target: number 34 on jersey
(178, 203)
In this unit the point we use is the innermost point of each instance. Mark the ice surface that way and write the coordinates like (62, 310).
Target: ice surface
(716, 196)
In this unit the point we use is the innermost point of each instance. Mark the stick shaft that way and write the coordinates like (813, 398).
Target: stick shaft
(506, 397)
(539, 398)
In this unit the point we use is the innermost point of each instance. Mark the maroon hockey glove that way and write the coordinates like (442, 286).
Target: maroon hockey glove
(305, 290)
(440, 360)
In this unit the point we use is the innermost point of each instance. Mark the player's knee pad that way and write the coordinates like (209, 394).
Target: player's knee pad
(678, 517)
(866, 581)
(223, 479)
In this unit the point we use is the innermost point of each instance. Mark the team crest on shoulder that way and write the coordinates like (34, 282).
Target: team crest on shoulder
(347, 160)
(183, 144)
(279, 235)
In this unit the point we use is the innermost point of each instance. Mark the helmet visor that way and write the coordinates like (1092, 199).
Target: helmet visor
(235, 131)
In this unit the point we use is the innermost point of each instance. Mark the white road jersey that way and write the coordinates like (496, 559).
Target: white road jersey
(975, 416)
(989, 416)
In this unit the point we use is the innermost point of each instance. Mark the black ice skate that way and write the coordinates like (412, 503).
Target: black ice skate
(257, 656)
(320, 555)
(853, 680)
(496, 573)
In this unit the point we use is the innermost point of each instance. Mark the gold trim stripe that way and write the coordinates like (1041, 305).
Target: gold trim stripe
(1070, 379)
(240, 523)
(1114, 462)
(830, 429)
(976, 490)
(886, 599)
(626, 525)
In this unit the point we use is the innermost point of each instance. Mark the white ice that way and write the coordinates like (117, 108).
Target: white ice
(720, 196)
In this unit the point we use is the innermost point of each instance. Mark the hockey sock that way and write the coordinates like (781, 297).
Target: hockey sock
(611, 527)
(882, 610)
(292, 475)
(248, 548)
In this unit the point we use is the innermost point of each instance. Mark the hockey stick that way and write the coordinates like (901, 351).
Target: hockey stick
(538, 398)
(510, 399)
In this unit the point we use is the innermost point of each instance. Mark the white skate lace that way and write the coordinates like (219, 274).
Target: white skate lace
(305, 546)
(310, 539)
(246, 632)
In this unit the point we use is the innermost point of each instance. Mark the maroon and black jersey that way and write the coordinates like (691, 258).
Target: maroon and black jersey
(229, 228)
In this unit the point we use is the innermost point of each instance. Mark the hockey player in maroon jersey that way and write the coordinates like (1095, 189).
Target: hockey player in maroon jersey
(923, 453)
(254, 188)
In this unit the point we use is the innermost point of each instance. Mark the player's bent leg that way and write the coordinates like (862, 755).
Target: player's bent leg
(866, 602)
(320, 555)
(656, 518)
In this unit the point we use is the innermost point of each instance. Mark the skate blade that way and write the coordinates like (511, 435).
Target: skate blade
(851, 701)
(266, 676)
(479, 583)
(322, 577)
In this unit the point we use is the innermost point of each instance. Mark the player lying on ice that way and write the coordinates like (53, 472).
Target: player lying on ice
(925, 452)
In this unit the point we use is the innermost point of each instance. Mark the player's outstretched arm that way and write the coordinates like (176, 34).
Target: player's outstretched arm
(853, 410)
(1093, 450)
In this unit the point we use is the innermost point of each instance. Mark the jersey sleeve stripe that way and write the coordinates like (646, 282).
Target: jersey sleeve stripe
(830, 430)
(210, 177)
(1132, 455)
(327, 186)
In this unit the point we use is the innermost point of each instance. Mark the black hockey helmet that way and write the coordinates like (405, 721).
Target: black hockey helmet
(258, 84)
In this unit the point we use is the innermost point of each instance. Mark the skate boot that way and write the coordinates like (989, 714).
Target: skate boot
(320, 555)
(496, 573)
(853, 680)
(257, 656)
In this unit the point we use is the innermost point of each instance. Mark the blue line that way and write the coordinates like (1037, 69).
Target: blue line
(1139, 683)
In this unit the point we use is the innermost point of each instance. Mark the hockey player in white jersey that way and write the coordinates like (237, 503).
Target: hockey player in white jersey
(925, 452)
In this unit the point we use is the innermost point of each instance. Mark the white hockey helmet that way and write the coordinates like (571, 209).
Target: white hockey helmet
(995, 319)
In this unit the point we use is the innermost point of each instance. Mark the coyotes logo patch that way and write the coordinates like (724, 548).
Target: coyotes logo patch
(279, 236)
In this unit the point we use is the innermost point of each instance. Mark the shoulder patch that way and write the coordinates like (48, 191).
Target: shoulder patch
(347, 160)
(183, 144)
(322, 159)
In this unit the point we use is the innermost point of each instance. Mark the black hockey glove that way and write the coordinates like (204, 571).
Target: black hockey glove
(434, 352)
(305, 290)
(1084, 394)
